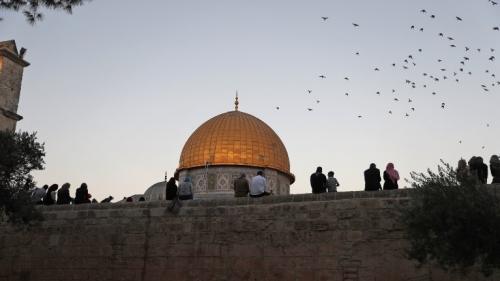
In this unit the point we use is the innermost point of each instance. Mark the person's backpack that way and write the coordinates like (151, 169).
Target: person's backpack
(185, 189)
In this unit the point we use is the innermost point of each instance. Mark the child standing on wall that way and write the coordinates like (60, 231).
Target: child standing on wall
(331, 182)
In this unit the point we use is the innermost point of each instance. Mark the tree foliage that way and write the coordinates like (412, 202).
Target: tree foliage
(31, 8)
(20, 153)
(454, 225)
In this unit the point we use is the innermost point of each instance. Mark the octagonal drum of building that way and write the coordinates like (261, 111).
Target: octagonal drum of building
(230, 144)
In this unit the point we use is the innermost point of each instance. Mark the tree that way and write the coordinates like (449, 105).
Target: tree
(454, 225)
(20, 153)
(31, 8)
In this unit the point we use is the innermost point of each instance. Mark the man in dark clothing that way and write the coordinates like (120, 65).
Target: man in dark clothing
(241, 186)
(372, 178)
(171, 191)
(482, 172)
(318, 181)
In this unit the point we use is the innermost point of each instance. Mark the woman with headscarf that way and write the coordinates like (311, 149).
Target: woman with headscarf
(82, 194)
(171, 191)
(495, 168)
(185, 191)
(391, 177)
(63, 196)
(50, 196)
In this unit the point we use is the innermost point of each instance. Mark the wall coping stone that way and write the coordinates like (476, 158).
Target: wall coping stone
(273, 199)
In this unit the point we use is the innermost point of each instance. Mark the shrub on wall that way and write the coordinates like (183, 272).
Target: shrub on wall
(454, 225)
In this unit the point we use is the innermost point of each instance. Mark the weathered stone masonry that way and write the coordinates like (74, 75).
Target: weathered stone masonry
(349, 236)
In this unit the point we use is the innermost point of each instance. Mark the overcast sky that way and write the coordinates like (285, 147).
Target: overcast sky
(115, 89)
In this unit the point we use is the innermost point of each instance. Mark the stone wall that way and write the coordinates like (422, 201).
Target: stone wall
(348, 236)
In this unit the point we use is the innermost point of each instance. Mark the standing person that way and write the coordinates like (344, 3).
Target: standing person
(331, 182)
(82, 195)
(372, 178)
(38, 193)
(391, 177)
(50, 196)
(463, 172)
(63, 197)
(495, 168)
(186, 189)
(482, 170)
(318, 181)
(474, 168)
(171, 191)
(241, 186)
(258, 186)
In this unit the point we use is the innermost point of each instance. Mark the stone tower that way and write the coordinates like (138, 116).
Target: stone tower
(11, 75)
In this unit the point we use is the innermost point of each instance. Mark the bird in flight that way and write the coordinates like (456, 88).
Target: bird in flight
(423, 11)
(324, 18)
(322, 76)
(355, 24)
(442, 105)
(310, 109)
(459, 18)
(433, 16)
(347, 94)
(496, 28)
(309, 91)
(390, 111)
(359, 116)
(376, 69)
(277, 108)
(317, 101)
(346, 78)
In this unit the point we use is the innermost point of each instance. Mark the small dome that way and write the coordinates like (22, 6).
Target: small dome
(156, 192)
(235, 138)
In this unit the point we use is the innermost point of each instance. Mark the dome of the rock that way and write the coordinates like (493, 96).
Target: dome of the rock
(232, 143)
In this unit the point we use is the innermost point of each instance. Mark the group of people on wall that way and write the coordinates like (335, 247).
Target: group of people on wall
(257, 187)
(476, 169)
(50, 195)
(321, 183)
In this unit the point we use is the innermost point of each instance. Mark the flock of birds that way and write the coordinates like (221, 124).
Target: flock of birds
(426, 80)
(440, 74)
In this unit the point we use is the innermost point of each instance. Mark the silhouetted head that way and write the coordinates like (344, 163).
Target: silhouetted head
(330, 174)
(494, 159)
(260, 173)
(53, 187)
(319, 170)
(142, 199)
(373, 166)
(462, 164)
(65, 186)
(390, 166)
(83, 186)
(480, 160)
(171, 180)
(45, 186)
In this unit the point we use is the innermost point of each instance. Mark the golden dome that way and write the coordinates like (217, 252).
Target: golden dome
(235, 138)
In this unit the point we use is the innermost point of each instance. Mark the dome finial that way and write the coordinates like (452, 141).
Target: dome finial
(236, 102)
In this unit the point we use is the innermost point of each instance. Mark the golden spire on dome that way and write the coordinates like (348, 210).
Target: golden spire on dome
(236, 102)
